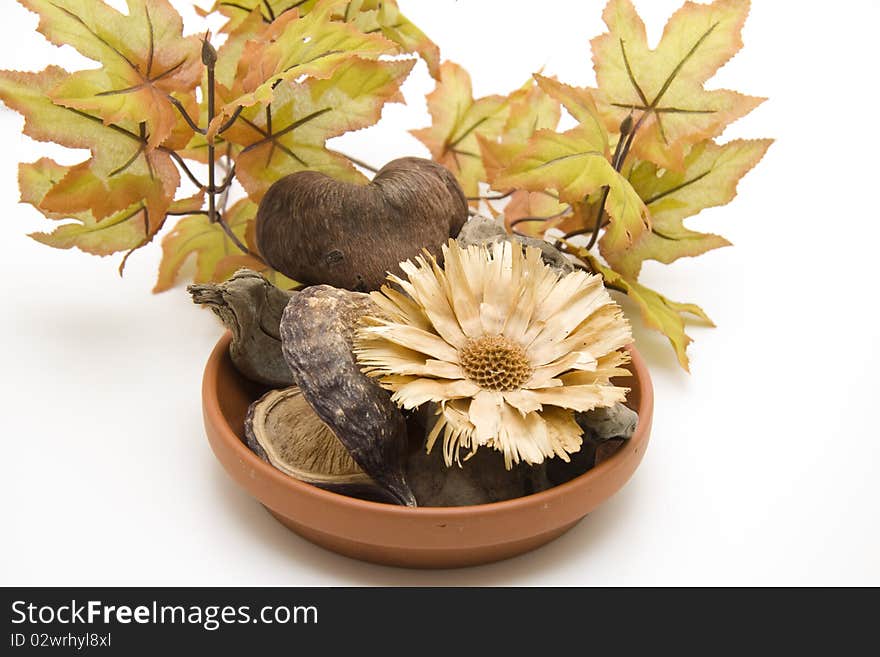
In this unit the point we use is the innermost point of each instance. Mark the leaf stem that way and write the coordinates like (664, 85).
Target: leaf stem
(523, 220)
(491, 197)
(182, 164)
(186, 117)
(232, 118)
(212, 200)
(233, 237)
(627, 133)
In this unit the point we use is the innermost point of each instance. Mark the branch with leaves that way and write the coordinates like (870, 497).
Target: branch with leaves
(613, 191)
(165, 112)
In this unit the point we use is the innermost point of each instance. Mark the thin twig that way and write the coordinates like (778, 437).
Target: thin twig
(495, 197)
(182, 164)
(181, 213)
(234, 238)
(212, 191)
(186, 117)
(232, 118)
(627, 131)
(523, 220)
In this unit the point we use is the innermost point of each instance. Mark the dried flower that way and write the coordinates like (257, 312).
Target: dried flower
(507, 347)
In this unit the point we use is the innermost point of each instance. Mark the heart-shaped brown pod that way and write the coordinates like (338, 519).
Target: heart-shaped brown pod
(315, 229)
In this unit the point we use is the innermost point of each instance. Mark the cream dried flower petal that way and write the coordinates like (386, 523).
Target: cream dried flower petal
(400, 307)
(545, 376)
(523, 401)
(419, 391)
(580, 397)
(413, 338)
(522, 438)
(485, 414)
(430, 293)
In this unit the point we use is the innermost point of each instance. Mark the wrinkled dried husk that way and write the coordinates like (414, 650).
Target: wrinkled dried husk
(250, 307)
(283, 430)
(316, 332)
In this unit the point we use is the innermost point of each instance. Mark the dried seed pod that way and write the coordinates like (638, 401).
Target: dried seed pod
(481, 230)
(316, 334)
(283, 430)
(251, 307)
(316, 229)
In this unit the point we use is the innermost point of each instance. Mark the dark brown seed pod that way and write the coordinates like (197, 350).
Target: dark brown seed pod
(283, 430)
(316, 335)
(315, 229)
(251, 307)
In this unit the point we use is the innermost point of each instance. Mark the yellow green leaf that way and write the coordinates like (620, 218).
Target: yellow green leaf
(124, 230)
(458, 120)
(577, 101)
(143, 56)
(295, 47)
(575, 164)
(710, 176)
(384, 16)
(122, 173)
(370, 17)
(305, 116)
(208, 242)
(657, 311)
(663, 88)
(530, 110)
(238, 33)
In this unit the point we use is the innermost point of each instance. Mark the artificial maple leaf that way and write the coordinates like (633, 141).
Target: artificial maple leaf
(663, 88)
(457, 121)
(710, 176)
(306, 115)
(295, 47)
(143, 55)
(124, 230)
(196, 235)
(578, 101)
(657, 311)
(122, 173)
(370, 16)
(238, 33)
(530, 110)
(543, 207)
(384, 16)
(575, 164)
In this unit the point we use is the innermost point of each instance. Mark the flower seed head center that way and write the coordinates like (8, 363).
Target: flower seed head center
(494, 362)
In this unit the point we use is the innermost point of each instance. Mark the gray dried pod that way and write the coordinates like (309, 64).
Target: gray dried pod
(482, 479)
(283, 430)
(604, 432)
(251, 307)
(316, 334)
(481, 230)
(316, 229)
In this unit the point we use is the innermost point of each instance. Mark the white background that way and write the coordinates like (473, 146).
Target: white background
(763, 465)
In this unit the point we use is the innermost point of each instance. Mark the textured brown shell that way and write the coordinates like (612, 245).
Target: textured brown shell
(315, 229)
(316, 335)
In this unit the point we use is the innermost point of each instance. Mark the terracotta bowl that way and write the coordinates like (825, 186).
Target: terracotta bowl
(412, 537)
